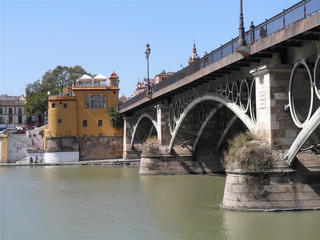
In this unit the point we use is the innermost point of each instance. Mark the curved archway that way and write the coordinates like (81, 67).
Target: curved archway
(217, 98)
(142, 116)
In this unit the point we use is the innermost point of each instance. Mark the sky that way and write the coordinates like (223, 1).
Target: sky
(104, 36)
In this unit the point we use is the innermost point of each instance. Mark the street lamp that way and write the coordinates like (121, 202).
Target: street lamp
(147, 52)
(242, 40)
(242, 48)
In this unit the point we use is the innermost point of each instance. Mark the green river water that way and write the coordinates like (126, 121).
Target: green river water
(103, 202)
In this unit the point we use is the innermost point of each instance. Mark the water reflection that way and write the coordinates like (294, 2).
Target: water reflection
(178, 209)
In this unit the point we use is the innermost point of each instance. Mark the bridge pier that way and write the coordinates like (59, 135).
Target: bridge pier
(278, 189)
(273, 119)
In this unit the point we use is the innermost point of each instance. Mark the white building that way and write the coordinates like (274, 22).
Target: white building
(12, 111)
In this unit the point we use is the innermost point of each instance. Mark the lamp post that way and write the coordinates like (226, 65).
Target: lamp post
(242, 48)
(147, 52)
(242, 41)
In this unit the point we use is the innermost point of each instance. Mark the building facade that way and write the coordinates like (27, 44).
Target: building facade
(12, 111)
(80, 117)
(162, 76)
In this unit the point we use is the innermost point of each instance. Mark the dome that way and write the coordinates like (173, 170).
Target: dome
(194, 55)
(113, 75)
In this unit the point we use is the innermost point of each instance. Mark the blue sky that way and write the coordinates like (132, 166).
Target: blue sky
(104, 36)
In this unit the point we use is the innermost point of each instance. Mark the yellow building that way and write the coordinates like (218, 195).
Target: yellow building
(3, 147)
(82, 111)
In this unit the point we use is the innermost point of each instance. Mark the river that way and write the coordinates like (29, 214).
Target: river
(103, 202)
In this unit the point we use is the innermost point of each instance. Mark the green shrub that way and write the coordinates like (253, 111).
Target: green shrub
(247, 152)
(116, 119)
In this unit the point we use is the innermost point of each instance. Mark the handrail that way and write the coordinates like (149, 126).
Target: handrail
(297, 12)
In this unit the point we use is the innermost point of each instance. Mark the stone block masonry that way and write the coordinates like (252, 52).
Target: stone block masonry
(98, 148)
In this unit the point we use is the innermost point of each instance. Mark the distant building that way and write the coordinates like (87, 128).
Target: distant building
(78, 120)
(12, 111)
(162, 76)
(123, 99)
(194, 57)
(142, 86)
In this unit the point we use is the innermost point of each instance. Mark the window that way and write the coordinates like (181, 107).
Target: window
(59, 120)
(87, 101)
(53, 105)
(100, 123)
(10, 110)
(1, 111)
(95, 101)
(104, 101)
(85, 135)
(19, 110)
(65, 105)
(19, 119)
(10, 119)
(85, 123)
(116, 134)
(100, 135)
(1, 120)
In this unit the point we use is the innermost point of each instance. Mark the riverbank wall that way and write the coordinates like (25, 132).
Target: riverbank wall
(105, 162)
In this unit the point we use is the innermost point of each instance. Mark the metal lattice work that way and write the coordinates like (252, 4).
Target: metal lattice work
(239, 97)
(138, 117)
(311, 119)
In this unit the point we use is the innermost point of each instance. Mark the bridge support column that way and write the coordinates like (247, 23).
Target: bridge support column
(162, 121)
(128, 153)
(273, 119)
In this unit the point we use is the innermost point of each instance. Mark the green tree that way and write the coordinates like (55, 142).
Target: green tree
(36, 98)
(52, 83)
(116, 119)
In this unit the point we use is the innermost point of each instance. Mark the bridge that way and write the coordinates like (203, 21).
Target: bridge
(268, 86)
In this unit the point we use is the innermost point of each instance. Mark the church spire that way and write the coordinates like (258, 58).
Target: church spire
(194, 57)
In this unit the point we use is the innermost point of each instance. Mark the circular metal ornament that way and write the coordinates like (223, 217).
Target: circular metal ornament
(244, 84)
(315, 76)
(234, 92)
(294, 117)
(253, 112)
(171, 118)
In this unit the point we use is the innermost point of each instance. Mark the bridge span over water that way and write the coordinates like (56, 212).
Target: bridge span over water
(269, 87)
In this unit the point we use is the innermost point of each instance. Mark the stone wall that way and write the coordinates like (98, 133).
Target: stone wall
(60, 144)
(98, 148)
(155, 160)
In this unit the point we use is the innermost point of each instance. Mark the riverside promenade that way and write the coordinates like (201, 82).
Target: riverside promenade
(112, 162)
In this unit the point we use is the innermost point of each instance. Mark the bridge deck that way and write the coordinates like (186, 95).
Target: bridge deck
(287, 29)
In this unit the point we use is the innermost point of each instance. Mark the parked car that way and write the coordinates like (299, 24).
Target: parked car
(28, 128)
(10, 130)
(20, 131)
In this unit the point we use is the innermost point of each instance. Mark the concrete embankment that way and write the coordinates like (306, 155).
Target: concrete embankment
(110, 162)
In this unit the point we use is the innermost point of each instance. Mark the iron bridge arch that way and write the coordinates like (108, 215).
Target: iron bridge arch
(237, 97)
(136, 125)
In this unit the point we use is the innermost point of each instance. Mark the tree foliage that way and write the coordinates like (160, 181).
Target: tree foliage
(52, 83)
(116, 119)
